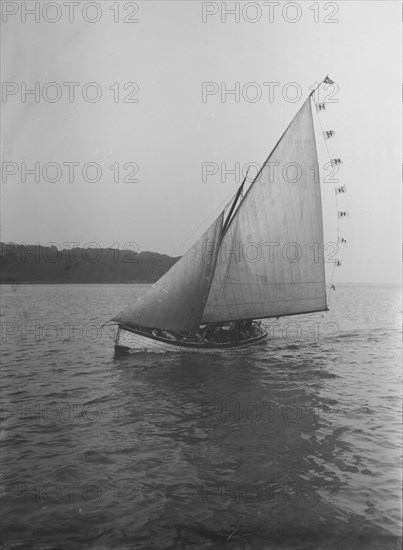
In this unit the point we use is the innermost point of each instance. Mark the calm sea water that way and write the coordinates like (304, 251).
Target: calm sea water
(294, 444)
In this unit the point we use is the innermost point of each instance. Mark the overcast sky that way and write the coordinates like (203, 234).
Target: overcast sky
(170, 131)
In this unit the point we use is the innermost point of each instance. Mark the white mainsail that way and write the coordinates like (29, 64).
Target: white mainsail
(270, 261)
(267, 262)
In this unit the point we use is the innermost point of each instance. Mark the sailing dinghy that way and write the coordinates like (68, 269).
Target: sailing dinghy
(255, 261)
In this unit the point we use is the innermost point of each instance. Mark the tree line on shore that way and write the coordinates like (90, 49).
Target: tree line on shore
(27, 263)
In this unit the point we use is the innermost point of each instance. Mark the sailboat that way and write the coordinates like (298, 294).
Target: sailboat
(257, 260)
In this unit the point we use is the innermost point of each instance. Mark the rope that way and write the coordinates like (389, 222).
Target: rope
(338, 219)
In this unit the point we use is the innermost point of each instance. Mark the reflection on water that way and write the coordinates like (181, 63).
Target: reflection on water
(292, 444)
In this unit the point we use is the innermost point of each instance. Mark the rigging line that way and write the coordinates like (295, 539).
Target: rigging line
(337, 207)
(225, 201)
(235, 200)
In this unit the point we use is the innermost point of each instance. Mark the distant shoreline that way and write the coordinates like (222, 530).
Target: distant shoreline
(25, 264)
(37, 264)
(74, 283)
(397, 284)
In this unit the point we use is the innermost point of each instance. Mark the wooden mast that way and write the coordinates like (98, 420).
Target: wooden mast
(239, 192)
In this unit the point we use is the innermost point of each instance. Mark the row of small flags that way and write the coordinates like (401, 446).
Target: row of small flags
(327, 134)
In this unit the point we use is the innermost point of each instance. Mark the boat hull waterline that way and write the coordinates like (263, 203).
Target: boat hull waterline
(134, 341)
